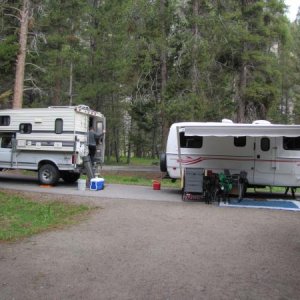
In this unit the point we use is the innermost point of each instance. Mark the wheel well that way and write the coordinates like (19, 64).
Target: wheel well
(46, 162)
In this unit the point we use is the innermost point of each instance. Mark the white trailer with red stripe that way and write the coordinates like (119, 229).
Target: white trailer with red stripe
(269, 153)
(52, 141)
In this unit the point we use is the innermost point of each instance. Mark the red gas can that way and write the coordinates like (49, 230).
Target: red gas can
(156, 185)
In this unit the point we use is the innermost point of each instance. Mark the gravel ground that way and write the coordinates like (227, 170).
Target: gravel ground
(132, 249)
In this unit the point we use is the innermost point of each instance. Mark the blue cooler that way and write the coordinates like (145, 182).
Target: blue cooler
(96, 184)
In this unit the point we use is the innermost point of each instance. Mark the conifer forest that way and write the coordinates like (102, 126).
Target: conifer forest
(146, 64)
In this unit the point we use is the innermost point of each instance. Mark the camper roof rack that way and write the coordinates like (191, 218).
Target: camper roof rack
(62, 106)
(80, 106)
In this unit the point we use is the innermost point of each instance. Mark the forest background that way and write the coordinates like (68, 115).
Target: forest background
(148, 63)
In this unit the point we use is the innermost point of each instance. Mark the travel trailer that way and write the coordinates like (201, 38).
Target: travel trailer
(268, 153)
(52, 141)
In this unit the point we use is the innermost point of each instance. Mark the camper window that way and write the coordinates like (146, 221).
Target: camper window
(190, 141)
(99, 127)
(240, 141)
(59, 126)
(291, 143)
(265, 144)
(25, 128)
(4, 120)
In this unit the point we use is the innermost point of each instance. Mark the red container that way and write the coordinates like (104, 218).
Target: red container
(156, 185)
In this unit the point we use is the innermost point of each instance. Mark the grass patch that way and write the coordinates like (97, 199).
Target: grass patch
(138, 180)
(134, 161)
(20, 217)
(267, 189)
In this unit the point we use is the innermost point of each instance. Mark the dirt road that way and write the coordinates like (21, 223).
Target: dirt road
(132, 249)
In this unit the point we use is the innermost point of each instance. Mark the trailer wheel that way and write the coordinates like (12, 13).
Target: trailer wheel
(163, 162)
(69, 177)
(48, 174)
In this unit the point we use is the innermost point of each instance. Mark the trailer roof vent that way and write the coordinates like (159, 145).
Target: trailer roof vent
(261, 122)
(227, 121)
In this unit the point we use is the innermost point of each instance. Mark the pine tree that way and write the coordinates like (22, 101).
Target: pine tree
(8, 50)
(258, 72)
(292, 75)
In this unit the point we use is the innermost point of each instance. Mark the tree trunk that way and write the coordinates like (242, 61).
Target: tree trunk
(195, 69)
(20, 66)
(163, 71)
(71, 85)
(58, 83)
(129, 147)
(154, 142)
(240, 98)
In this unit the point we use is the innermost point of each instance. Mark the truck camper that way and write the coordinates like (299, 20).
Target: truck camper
(52, 141)
(268, 153)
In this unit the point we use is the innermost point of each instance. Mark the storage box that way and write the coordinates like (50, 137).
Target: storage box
(96, 184)
(193, 180)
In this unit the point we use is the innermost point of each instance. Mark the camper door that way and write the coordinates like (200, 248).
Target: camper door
(5, 149)
(264, 160)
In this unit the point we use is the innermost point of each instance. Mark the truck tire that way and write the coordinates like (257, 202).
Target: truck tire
(48, 174)
(69, 177)
(163, 162)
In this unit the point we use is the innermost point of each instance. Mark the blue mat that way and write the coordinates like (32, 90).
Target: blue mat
(269, 203)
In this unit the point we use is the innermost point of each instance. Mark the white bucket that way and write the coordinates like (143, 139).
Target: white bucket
(81, 183)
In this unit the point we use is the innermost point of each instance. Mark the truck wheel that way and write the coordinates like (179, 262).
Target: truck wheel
(69, 177)
(163, 162)
(48, 174)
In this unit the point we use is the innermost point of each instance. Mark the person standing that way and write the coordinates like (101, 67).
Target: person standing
(93, 137)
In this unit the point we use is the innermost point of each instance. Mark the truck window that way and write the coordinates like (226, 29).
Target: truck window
(59, 126)
(25, 128)
(190, 141)
(6, 142)
(291, 143)
(240, 141)
(4, 120)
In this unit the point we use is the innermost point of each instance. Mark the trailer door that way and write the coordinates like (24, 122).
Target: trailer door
(264, 161)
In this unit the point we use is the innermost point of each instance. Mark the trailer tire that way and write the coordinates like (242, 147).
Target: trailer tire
(163, 162)
(69, 177)
(48, 174)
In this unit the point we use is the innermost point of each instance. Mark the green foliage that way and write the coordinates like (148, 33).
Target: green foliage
(146, 64)
(20, 217)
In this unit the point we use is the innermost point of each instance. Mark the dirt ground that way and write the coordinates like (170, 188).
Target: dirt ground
(130, 249)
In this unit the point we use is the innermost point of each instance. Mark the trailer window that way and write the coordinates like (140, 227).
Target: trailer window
(240, 141)
(59, 126)
(190, 141)
(25, 128)
(4, 120)
(265, 144)
(291, 143)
